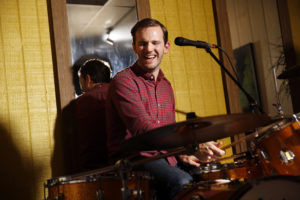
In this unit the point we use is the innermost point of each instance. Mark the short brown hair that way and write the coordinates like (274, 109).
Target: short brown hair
(99, 70)
(148, 22)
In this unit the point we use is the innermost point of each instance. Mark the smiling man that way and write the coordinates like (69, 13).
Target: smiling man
(140, 99)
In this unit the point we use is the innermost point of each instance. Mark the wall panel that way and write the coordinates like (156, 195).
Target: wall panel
(257, 22)
(28, 104)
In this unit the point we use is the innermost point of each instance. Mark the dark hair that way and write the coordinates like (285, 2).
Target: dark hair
(148, 22)
(97, 69)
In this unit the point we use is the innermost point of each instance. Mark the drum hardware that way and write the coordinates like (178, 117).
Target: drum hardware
(255, 134)
(178, 137)
(278, 104)
(286, 156)
(278, 148)
(296, 117)
(100, 194)
(264, 155)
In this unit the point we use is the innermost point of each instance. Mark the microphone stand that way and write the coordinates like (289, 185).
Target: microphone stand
(254, 107)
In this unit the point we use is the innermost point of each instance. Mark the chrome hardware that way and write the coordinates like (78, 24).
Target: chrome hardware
(265, 155)
(286, 156)
(138, 193)
(296, 117)
(100, 194)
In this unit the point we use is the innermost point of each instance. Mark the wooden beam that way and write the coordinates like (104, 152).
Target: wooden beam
(143, 9)
(224, 40)
(61, 52)
(289, 51)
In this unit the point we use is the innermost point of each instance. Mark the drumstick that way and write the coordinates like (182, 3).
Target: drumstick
(230, 157)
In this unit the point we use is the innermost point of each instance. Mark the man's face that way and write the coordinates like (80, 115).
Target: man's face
(150, 47)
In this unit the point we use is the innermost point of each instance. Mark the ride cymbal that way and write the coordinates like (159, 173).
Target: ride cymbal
(194, 131)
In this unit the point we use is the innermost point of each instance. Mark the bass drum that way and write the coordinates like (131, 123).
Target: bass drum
(273, 187)
(279, 149)
(100, 188)
(208, 190)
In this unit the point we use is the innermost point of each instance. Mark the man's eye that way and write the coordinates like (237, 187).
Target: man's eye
(142, 44)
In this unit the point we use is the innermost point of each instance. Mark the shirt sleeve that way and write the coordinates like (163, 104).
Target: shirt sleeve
(127, 101)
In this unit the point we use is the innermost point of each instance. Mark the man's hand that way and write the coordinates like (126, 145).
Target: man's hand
(209, 151)
(190, 159)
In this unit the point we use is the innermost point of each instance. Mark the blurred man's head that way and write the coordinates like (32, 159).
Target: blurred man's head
(93, 72)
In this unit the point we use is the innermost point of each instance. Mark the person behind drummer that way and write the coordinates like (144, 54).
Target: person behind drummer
(94, 76)
(141, 98)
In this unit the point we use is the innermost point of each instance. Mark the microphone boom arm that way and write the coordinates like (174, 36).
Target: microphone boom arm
(252, 103)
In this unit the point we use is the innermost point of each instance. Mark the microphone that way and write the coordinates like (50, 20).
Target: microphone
(180, 41)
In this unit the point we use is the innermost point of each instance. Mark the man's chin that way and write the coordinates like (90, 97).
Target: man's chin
(150, 68)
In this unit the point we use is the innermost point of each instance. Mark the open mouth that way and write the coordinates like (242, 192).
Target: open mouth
(149, 58)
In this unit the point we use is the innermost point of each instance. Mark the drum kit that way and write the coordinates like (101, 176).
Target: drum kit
(269, 170)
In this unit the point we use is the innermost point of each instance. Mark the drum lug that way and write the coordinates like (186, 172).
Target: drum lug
(100, 194)
(138, 193)
(286, 156)
(264, 155)
(60, 196)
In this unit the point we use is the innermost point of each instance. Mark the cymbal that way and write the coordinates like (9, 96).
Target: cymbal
(291, 72)
(194, 131)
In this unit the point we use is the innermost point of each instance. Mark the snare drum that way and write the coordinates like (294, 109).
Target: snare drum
(279, 149)
(68, 189)
(138, 187)
(246, 169)
(102, 188)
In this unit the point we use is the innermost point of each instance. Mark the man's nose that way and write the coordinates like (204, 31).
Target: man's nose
(149, 47)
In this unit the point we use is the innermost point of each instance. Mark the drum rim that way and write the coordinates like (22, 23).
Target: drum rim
(278, 126)
(62, 180)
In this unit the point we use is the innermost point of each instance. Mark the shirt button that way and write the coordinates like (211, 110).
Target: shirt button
(158, 105)
(158, 121)
(152, 77)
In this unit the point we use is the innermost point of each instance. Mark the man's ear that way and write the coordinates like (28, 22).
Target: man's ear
(166, 47)
(88, 80)
(133, 47)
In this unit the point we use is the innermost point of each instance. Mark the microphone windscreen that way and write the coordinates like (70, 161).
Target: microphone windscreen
(179, 41)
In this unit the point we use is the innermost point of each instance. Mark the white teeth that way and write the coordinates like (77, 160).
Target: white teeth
(150, 56)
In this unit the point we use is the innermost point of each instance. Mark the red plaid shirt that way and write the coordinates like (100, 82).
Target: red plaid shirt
(91, 127)
(136, 104)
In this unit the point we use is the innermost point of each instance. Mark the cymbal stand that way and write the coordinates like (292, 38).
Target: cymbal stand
(278, 105)
(124, 167)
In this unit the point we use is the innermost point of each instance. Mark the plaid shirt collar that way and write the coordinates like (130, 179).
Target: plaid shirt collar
(146, 75)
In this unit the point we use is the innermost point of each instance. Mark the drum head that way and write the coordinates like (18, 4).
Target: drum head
(275, 188)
